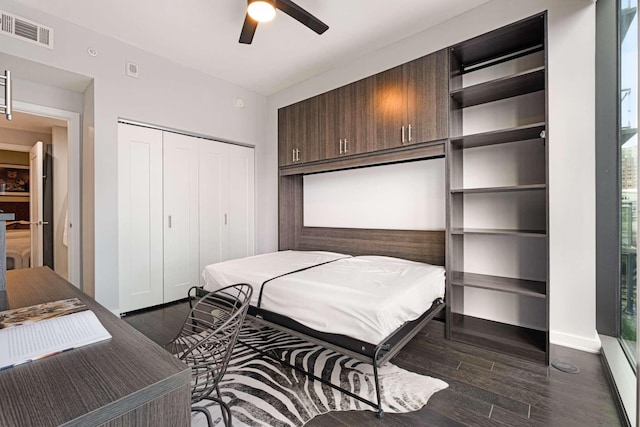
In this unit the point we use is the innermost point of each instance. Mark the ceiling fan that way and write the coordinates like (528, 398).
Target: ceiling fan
(265, 10)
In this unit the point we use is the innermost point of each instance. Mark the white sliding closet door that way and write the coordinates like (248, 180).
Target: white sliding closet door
(214, 192)
(241, 221)
(140, 217)
(226, 202)
(181, 249)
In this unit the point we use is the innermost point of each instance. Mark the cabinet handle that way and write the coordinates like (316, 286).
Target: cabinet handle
(346, 149)
(169, 221)
(293, 155)
(297, 155)
(340, 146)
(225, 219)
(409, 133)
(403, 134)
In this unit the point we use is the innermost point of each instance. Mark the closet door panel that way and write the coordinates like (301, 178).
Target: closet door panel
(140, 219)
(214, 188)
(241, 211)
(181, 247)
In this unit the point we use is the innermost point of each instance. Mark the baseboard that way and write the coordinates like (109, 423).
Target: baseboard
(590, 345)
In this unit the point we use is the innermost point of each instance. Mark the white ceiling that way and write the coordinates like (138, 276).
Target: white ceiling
(203, 34)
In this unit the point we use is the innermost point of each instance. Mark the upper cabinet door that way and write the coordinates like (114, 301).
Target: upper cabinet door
(411, 102)
(356, 117)
(390, 107)
(427, 98)
(346, 119)
(299, 132)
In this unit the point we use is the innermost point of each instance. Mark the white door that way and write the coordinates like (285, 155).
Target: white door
(241, 205)
(181, 248)
(140, 220)
(213, 195)
(36, 155)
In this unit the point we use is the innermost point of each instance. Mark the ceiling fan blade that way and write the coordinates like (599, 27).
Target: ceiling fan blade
(248, 30)
(301, 15)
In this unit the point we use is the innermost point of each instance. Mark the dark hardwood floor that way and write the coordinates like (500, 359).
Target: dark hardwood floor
(485, 388)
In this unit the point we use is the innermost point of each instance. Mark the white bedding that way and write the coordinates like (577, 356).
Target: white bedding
(365, 297)
(18, 248)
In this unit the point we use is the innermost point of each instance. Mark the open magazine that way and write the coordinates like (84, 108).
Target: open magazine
(38, 331)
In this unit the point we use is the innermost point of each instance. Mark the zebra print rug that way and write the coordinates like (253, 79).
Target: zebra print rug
(261, 392)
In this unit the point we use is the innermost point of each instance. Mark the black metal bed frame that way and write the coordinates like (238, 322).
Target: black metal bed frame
(376, 355)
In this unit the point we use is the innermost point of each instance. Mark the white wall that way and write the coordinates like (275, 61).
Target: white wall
(60, 141)
(166, 94)
(405, 196)
(87, 198)
(571, 56)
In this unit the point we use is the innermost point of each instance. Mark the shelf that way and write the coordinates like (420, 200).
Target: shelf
(516, 340)
(503, 136)
(506, 189)
(529, 288)
(505, 41)
(499, 232)
(506, 87)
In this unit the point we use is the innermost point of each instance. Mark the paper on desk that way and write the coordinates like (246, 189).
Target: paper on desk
(33, 341)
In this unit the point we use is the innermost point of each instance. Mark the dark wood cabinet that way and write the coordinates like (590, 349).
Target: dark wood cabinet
(347, 120)
(299, 132)
(404, 105)
(427, 98)
(411, 102)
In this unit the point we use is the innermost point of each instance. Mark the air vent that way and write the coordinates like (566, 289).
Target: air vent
(132, 70)
(24, 29)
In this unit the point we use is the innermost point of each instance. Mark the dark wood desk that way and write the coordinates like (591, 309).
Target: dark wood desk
(125, 381)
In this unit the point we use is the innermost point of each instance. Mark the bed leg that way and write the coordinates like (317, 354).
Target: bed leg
(380, 412)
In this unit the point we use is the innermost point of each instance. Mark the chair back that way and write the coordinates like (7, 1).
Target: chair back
(209, 334)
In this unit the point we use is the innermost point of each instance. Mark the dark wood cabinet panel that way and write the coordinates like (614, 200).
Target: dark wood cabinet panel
(390, 107)
(411, 102)
(427, 98)
(347, 120)
(403, 105)
(299, 132)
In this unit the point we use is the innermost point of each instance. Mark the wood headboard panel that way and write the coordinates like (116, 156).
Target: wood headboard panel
(415, 245)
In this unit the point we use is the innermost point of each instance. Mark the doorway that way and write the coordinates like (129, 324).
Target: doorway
(35, 185)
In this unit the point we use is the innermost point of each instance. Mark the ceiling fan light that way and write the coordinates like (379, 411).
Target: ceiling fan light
(261, 10)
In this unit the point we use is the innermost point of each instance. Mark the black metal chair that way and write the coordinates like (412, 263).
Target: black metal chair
(206, 341)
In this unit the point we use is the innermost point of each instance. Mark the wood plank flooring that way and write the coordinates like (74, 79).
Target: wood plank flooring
(485, 388)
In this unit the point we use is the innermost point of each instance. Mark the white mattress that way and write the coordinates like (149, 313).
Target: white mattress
(19, 247)
(365, 297)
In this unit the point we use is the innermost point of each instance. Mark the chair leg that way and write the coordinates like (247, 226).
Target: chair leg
(224, 407)
(206, 414)
(224, 410)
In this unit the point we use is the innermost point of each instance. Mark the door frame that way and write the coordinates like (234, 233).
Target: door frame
(74, 173)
